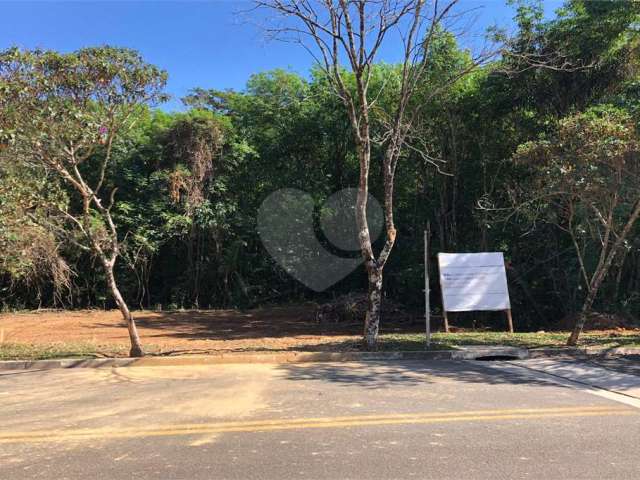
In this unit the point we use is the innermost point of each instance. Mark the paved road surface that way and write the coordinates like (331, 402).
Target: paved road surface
(358, 420)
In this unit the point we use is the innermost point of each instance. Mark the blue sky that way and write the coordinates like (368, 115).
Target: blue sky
(209, 44)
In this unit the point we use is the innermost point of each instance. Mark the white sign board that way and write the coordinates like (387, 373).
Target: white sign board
(473, 281)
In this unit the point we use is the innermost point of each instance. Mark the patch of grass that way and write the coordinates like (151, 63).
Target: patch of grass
(407, 342)
(28, 351)
(450, 341)
(440, 341)
(388, 342)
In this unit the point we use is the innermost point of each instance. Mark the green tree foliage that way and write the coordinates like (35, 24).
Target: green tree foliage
(64, 113)
(30, 255)
(554, 109)
(586, 181)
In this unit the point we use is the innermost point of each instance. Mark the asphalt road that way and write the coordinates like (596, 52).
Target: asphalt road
(358, 420)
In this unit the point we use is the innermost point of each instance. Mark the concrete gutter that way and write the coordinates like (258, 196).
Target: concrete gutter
(583, 352)
(586, 374)
(476, 352)
(463, 353)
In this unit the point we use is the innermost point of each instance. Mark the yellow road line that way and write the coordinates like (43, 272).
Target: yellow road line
(304, 423)
(360, 417)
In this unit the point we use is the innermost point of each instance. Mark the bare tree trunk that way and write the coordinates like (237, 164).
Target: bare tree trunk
(136, 346)
(600, 274)
(354, 31)
(372, 318)
(374, 309)
(620, 267)
(586, 309)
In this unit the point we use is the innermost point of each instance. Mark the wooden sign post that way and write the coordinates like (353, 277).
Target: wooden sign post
(509, 320)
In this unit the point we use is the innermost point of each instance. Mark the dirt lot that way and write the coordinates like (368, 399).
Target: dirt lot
(279, 328)
(88, 333)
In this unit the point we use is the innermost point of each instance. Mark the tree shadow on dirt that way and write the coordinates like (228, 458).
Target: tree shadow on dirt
(274, 322)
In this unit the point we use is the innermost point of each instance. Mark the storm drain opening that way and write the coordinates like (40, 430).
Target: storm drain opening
(496, 358)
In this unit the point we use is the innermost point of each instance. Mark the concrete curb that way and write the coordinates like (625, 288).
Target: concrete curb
(463, 353)
(225, 358)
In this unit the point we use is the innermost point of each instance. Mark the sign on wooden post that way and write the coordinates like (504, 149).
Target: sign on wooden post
(474, 281)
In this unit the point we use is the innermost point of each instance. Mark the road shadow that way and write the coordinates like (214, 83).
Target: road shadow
(629, 364)
(383, 374)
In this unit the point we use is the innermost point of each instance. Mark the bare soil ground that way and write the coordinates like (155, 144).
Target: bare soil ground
(55, 334)
(279, 328)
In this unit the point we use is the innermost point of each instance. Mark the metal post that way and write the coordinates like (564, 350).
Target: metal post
(427, 306)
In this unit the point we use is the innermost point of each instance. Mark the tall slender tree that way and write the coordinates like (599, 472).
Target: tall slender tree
(65, 112)
(588, 175)
(345, 38)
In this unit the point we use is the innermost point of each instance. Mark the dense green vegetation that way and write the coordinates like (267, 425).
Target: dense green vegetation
(528, 157)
